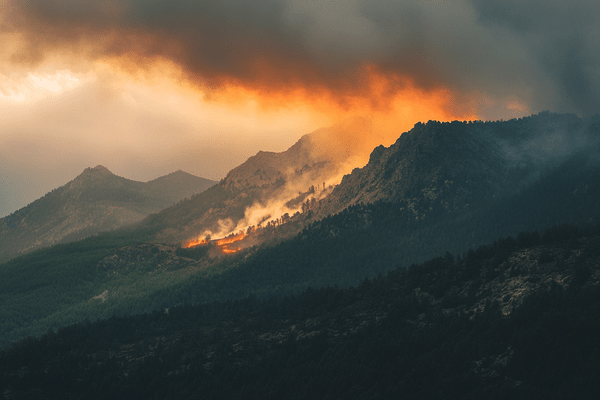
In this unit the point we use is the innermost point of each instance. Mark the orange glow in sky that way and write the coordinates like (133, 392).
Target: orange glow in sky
(145, 123)
(147, 88)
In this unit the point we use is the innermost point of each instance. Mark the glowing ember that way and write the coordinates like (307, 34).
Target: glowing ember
(230, 251)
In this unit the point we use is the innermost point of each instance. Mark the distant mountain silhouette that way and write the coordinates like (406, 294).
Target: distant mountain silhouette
(95, 201)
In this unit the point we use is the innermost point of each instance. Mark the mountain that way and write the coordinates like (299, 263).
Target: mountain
(517, 319)
(95, 201)
(463, 164)
(145, 267)
(457, 166)
(177, 186)
(265, 187)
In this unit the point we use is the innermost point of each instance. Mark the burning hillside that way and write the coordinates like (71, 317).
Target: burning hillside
(258, 224)
(195, 242)
(227, 245)
(266, 186)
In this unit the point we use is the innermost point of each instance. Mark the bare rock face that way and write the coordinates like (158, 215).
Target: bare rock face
(95, 201)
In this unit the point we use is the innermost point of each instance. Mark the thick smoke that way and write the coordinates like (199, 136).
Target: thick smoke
(563, 38)
(272, 208)
(493, 56)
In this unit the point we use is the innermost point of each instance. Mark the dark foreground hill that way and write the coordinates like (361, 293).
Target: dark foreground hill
(95, 201)
(517, 319)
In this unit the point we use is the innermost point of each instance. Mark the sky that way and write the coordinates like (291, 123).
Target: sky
(147, 87)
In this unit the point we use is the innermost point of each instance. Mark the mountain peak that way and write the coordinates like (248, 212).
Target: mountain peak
(97, 172)
(97, 169)
(177, 175)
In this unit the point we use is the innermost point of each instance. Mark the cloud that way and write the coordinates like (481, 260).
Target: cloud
(563, 38)
(398, 61)
(213, 41)
(486, 53)
(54, 126)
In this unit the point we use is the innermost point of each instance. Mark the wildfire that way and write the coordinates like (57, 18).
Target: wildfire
(222, 244)
(231, 239)
(250, 233)
(194, 242)
(225, 250)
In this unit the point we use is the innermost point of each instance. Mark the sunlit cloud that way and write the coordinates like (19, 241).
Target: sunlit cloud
(36, 86)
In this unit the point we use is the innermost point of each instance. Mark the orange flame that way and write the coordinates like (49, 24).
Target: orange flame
(229, 240)
(194, 242)
(222, 243)
(230, 251)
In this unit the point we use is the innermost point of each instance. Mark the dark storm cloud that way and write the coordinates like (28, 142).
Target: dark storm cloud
(542, 53)
(214, 41)
(564, 37)
(438, 43)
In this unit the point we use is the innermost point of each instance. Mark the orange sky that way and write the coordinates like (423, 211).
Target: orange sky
(146, 87)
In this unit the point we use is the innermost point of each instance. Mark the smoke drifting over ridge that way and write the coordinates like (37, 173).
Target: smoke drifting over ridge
(493, 57)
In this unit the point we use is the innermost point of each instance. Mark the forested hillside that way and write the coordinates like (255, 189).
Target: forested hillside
(119, 274)
(129, 271)
(517, 319)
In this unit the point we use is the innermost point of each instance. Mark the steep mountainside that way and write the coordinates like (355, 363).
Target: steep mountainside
(95, 201)
(122, 273)
(514, 320)
(134, 270)
(458, 165)
(177, 186)
(261, 188)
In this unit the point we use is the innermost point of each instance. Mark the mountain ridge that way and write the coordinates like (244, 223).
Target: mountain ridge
(134, 270)
(95, 200)
(459, 163)
(259, 189)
